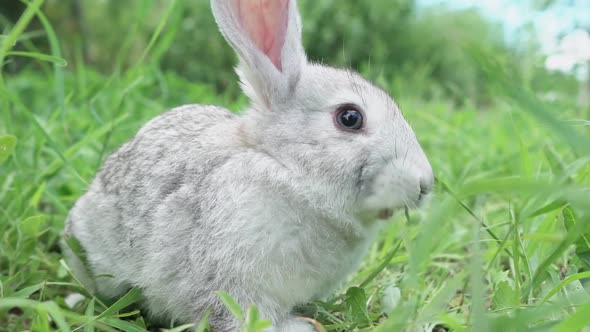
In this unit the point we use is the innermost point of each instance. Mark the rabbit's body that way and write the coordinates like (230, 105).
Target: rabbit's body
(299, 254)
(275, 206)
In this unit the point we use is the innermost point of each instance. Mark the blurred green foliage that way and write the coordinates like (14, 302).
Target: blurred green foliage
(414, 51)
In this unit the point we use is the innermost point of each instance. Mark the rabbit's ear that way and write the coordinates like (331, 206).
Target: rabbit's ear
(266, 34)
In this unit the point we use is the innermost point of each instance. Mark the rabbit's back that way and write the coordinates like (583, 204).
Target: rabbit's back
(154, 162)
(118, 216)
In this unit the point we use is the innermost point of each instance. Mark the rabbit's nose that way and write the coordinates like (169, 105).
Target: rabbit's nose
(426, 184)
(425, 176)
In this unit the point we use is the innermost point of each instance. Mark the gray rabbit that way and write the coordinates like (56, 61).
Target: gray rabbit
(276, 206)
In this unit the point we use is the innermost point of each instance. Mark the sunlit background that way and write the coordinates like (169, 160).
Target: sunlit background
(560, 27)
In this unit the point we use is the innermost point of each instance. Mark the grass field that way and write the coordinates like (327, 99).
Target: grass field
(504, 246)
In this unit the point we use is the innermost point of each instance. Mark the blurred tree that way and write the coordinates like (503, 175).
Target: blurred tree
(67, 16)
(10, 11)
(344, 32)
(350, 33)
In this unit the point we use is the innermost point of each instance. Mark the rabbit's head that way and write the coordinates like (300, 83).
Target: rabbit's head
(344, 133)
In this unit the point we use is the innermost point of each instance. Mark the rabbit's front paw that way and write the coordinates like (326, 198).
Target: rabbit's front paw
(300, 324)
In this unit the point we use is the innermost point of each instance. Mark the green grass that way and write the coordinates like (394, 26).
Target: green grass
(504, 246)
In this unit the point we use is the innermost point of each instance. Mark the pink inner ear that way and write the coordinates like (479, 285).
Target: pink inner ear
(265, 22)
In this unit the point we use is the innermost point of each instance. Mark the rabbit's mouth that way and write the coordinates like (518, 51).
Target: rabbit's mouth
(385, 214)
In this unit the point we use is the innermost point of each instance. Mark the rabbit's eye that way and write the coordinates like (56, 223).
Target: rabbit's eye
(349, 118)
